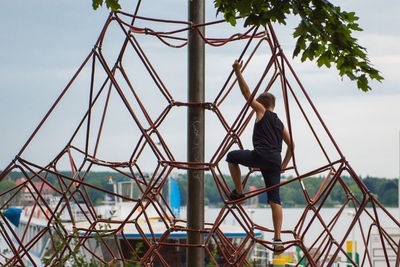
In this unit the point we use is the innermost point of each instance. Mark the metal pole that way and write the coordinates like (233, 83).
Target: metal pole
(196, 69)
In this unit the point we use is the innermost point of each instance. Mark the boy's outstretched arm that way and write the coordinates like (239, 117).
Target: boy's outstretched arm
(244, 88)
(289, 149)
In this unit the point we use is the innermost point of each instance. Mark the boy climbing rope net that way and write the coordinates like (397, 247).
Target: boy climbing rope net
(268, 134)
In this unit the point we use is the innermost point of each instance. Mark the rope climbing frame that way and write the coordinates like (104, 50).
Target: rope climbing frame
(111, 236)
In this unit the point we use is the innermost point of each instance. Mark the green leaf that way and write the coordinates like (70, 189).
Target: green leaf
(97, 3)
(354, 27)
(325, 59)
(374, 74)
(300, 45)
(351, 76)
(300, 30)
(113, 4)
(230, 18)
(243, 8)
(362, 83)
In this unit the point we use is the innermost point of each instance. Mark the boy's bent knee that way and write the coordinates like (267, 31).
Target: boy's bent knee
(230, 158)
(274, 202)
(273, 196)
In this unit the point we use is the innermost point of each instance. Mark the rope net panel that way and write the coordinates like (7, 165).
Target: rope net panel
(145, 229)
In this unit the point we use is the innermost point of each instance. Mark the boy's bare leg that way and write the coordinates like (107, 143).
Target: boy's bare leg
(236, 177)
(276, 219)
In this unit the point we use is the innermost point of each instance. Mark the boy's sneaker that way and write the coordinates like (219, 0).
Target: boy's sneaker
(278, 246)
(235, 196)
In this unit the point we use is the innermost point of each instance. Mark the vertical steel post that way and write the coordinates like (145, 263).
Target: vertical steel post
(196, 88)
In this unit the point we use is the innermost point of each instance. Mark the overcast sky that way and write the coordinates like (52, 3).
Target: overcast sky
(42, 44)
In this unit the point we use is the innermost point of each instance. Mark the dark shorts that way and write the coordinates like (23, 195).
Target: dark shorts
(271, 172)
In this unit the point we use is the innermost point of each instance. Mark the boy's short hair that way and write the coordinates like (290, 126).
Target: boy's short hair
(267, 100)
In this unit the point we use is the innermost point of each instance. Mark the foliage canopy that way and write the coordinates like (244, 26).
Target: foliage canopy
(324, 33)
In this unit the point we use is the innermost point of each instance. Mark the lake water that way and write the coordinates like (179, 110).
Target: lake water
(291, 217)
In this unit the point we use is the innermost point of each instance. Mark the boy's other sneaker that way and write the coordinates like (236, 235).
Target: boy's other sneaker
(235, 196)
(278, 246)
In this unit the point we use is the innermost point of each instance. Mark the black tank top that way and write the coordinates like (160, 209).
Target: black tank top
(267, 137)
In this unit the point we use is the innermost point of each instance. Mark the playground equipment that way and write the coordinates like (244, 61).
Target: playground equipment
(112, 79)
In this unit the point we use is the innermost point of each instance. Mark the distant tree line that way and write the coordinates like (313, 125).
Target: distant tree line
(292, 195)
